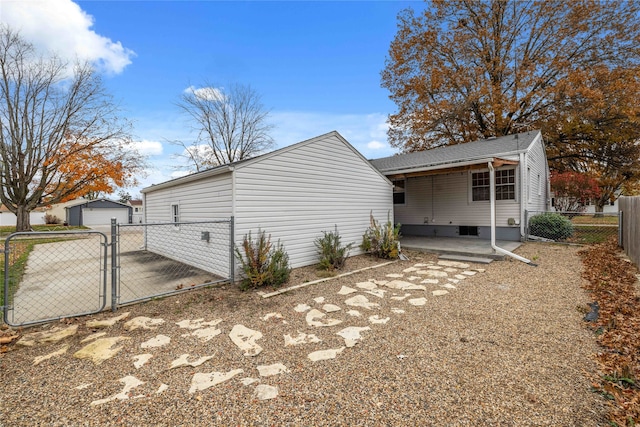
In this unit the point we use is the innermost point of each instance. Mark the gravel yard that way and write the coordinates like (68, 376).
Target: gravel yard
(506, 347)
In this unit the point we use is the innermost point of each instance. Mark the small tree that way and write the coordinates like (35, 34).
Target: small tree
(572, 189)
(332, 254)
(262, 263)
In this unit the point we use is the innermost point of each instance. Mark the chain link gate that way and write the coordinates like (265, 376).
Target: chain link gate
(53, 275)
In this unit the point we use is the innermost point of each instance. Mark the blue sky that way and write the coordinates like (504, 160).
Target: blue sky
(316, 64)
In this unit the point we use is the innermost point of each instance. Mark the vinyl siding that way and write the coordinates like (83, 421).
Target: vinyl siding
(536, 163)
(315, 186)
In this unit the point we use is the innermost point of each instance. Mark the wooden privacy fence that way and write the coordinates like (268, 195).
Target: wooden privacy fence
(629, 210)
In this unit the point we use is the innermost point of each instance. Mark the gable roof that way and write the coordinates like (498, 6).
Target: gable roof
(230, 167)
(453, 155)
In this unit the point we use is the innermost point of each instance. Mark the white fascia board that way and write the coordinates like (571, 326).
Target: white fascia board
(189, 178)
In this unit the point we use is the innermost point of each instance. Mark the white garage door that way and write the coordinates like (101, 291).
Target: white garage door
(102, 216)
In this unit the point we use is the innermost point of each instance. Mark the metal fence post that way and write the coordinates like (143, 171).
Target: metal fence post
(232, 257)
(526, 225)
(114, 265)
(620, 229)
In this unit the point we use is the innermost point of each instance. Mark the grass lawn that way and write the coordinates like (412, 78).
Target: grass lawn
(608, 219)
(5, 230)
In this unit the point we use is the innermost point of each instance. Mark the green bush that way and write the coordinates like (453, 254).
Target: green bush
(332, 254)
(382, 241)
(263, 264)
(550, 226)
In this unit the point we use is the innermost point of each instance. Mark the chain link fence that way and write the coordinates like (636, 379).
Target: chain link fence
(53, 275)
(571, 227)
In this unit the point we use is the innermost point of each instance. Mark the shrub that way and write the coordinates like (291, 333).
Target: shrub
(332, 254)
(51, 219)
(550, 226)
(263, 264)
(382, 241)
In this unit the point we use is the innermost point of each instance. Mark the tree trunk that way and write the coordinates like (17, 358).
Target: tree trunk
(599, 209)
(23, 222)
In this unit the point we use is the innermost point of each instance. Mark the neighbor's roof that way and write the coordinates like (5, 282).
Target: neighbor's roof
(453, 154)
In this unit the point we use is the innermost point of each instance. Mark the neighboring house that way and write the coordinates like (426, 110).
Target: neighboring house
(59, 209)
(8, 218)
(98, 212)
(445, 191)
(138, 211)
(293, 194)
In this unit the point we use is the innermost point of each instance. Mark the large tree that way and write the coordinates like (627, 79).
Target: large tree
(60, 133)
(231, 125)
(465, 70)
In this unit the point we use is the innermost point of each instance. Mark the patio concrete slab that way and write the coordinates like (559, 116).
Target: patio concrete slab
(469, 247)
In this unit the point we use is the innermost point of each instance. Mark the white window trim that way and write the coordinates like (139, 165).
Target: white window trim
(516, 183)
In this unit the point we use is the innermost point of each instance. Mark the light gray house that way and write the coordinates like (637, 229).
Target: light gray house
(294, 194)
(98, 212)
(446, 191)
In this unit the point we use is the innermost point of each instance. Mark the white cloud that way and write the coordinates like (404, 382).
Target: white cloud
(206, 93)
(376, 145)
(62, 27)
(149, 148)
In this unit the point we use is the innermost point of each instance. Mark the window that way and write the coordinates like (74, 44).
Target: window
(175, 214)
(505, 185)
(398, 191)
(466, 230)
(135, 210)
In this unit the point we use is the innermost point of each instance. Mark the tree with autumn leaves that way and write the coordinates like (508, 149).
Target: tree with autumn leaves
(60, 133)
(467, 70)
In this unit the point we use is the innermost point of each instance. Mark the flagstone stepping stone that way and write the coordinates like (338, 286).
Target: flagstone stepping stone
(352, 335)
(400, 298)
(418, 301)
(330, 308)
(129, 382)
(345, 290)
(163, 387)
(302, 338)
(361, 301)
(53, 335)
(205, 334)
(430, 281)
(354, 313)
(480, 270)
(398, 311)
(439, 292)
(319, 300)
(84, 386)
(436, 273)
(379, 282)
(366, 285)
(93, 337)
(314, 316)
(460, 277)
(301, 308)
(59, 352)
(319, 355)
(203, 381)
(266, 392)
(413, 278)
(405, 286)
(249, 381)
(434, 267)
(448, 286)
(409, 270)
(455, 264)
(455, 281)
(142, 322)
(245, 339)
(106, 323)
(197, 323)
(451, 270)
(183, 360)
(469, 273)
(420, 265)
(376, 293)
(395, 275)
(141, 359)
(270, 370)
(157, 341)
(278, 316)
(377, 320)
(100, 350)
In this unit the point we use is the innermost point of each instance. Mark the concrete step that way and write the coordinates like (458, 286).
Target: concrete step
(465, 258)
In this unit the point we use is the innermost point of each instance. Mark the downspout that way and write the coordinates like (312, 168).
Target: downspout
(492, 197)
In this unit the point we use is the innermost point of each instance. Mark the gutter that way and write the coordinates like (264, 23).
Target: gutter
(492, 197)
